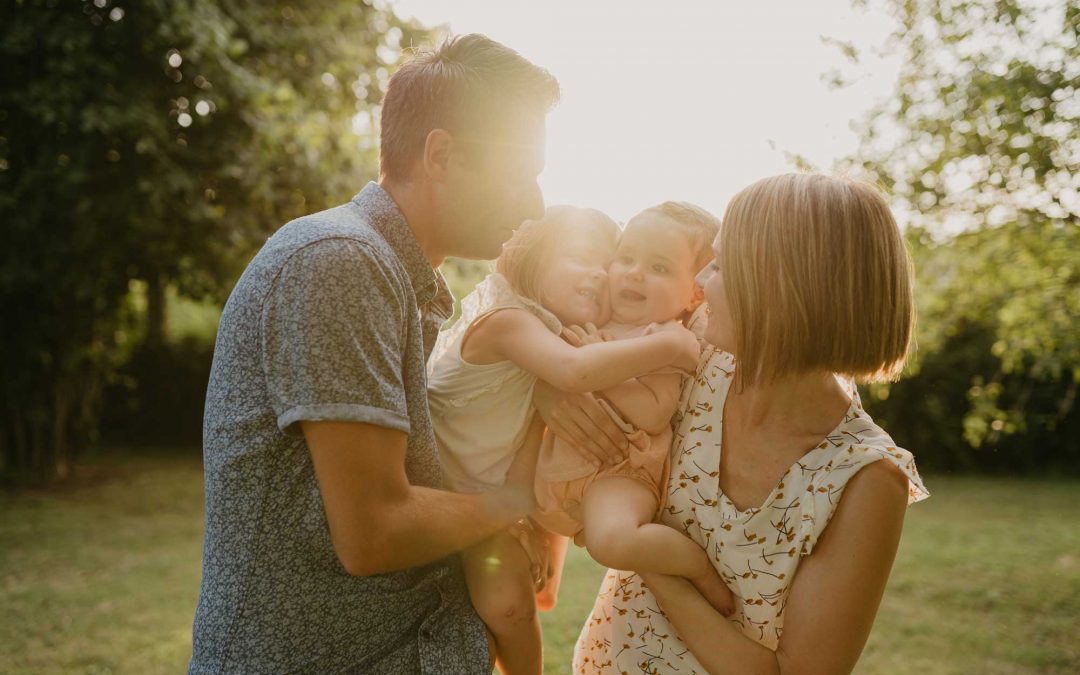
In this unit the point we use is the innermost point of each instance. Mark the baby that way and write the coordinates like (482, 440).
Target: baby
(612, 508)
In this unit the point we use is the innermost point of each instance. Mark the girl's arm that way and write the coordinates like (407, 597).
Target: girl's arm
(518, 336)
(833, 599)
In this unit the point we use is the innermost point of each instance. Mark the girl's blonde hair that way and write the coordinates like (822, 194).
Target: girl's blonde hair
(818, 277)
(524, 257)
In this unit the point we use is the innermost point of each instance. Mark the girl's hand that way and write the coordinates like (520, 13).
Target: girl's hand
(685, 346)
(590, 334)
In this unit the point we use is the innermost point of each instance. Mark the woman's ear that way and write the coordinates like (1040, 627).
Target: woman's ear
(438, 147)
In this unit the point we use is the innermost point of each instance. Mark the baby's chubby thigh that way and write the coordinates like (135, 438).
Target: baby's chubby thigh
(615, 507)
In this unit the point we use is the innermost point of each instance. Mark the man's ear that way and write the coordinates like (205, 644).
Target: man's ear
(438, 147)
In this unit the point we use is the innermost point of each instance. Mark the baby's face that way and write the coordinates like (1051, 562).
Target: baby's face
(652, 276)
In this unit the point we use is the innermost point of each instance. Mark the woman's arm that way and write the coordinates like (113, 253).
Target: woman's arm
(833, 599)
(518, 336)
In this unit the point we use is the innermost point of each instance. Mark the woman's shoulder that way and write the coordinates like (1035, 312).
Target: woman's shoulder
(860, 441)
(858, 453)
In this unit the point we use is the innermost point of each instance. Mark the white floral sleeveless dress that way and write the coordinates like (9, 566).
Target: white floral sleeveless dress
(756, 550)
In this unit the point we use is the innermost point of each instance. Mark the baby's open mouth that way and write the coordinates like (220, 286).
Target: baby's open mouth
(628, 294)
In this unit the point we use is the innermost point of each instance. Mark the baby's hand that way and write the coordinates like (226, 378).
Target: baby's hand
(713, 589)
(579, 337)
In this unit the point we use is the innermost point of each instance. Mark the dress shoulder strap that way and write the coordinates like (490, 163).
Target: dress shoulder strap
(825, 485)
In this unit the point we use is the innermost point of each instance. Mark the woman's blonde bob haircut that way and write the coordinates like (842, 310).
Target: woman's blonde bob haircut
(818, 278)
(526, 255)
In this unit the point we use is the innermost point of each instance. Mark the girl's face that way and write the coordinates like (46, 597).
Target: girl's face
(573, 285)
(652, 276)
(720, 330)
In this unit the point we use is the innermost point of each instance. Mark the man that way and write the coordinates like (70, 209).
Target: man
(329, 546)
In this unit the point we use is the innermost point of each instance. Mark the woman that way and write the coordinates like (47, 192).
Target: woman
(775, 466)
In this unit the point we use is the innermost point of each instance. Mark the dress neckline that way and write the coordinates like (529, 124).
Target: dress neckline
(728, 506)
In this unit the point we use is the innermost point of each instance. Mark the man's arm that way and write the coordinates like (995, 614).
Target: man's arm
(833, 599)
(378, 521)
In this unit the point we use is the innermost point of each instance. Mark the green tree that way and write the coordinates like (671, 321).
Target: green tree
(159, 141)
(979, 148)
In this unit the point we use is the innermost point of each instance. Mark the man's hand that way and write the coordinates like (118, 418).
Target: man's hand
(579, 420)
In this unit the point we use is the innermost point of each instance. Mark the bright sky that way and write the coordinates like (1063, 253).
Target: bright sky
(680, 99)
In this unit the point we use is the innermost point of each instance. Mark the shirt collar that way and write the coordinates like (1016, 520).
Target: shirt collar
(384, 215)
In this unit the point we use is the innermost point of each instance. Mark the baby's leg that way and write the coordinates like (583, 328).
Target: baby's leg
(619, 533)
(501, 588)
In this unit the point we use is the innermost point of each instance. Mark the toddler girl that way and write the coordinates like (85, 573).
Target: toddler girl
(612, 508)
(551, 274)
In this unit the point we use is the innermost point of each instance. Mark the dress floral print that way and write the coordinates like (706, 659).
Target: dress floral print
(756, 550)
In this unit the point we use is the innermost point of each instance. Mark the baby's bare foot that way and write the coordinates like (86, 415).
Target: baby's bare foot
(713, 589)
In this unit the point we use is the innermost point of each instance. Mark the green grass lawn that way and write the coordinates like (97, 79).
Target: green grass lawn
(102, 577)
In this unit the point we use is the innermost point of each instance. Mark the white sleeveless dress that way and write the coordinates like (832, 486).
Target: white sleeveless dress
(756, 550)
(480, 413)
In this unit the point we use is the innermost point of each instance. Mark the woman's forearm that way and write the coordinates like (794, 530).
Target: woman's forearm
(716, 643)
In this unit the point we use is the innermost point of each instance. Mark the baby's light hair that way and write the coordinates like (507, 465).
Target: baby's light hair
(698, 225)
(525, 255)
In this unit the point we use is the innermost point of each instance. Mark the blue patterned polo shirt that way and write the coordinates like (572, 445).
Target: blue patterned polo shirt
(332, 320)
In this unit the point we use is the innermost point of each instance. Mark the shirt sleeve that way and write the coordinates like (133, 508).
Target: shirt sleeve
(333, 328)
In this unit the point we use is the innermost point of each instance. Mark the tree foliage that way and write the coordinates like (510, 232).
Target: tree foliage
(159, 141)
(979, 148)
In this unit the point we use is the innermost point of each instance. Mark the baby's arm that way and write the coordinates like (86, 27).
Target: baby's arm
(648, 402)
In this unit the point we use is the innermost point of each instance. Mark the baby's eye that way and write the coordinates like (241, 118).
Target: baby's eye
(660, 269)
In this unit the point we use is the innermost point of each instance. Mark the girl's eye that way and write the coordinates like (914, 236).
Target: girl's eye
(624, 259)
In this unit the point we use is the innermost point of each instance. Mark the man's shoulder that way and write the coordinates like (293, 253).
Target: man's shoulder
(331, 228)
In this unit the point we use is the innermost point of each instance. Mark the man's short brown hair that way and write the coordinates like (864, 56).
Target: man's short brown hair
(818, 278)
(470, 85)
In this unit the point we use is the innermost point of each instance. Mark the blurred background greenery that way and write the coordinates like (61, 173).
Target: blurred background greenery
(147, 151)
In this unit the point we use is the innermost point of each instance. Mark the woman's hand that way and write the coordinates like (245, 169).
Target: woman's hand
(579, 420)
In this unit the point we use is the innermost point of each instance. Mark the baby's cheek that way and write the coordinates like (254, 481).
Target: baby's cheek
(605, 310)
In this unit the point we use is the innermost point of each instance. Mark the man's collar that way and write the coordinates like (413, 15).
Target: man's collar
(384, 215)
